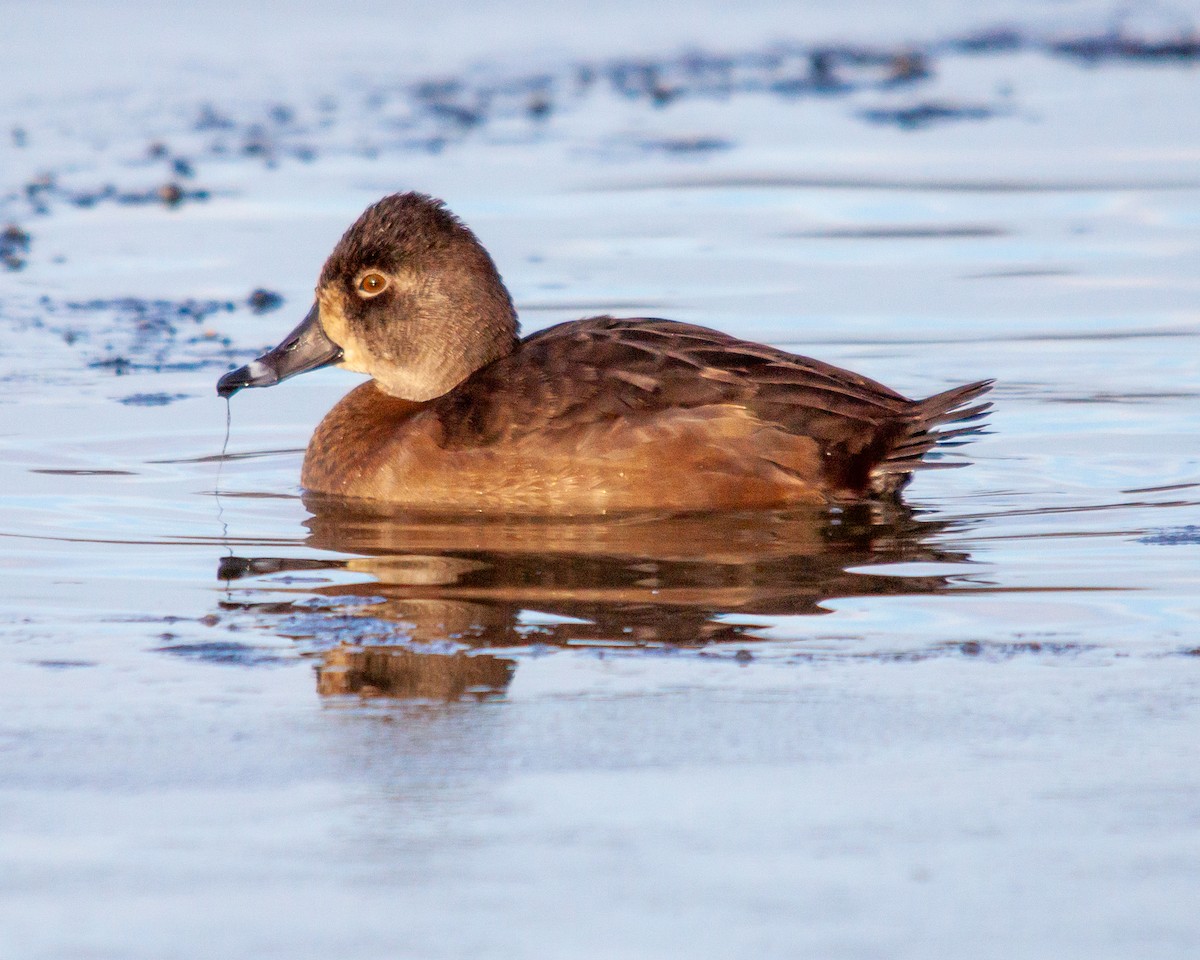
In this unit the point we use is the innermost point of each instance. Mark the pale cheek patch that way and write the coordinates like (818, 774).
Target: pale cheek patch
(352, 360)
(333, 321)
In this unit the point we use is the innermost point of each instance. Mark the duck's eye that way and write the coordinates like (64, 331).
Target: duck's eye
(371, 284)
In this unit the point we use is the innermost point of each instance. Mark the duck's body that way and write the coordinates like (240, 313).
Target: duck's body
(605, 414)
(591, 416)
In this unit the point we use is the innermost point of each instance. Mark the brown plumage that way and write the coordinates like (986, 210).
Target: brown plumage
(585, 417)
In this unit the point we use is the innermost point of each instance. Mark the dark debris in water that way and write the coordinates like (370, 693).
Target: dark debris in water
(1174, 536)
(168, 194)
(151, 399)
(989, 651)
(84, 472)
(178, 166)
(686, 145)
(699, 145)
(992, 650)
(228, 653)
(1124, 45)
(921, 115)
(151, 313)
(123, 334)
(14, 245)
(264, 301)
(210, 118)
(64, 664)
(42, 191)
(991, 40)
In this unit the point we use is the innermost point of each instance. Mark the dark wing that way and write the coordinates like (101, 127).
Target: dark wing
(586, 372)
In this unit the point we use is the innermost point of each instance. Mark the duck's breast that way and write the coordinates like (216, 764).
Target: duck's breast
(714, 457)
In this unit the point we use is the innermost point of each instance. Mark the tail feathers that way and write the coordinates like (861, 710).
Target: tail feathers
(951, 407)
(948, 407)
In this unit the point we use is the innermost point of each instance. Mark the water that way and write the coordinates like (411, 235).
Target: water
(240, 722)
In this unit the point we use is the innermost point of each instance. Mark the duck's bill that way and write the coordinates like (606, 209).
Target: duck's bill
(305, 348)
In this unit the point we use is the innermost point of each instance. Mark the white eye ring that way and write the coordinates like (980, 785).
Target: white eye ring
(371, 284)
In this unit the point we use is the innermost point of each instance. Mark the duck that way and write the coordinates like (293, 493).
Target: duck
(587, 417)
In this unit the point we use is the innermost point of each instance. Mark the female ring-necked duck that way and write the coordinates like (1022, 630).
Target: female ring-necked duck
(588, 416)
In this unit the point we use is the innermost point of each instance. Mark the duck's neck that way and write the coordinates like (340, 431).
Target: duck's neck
(464, 343)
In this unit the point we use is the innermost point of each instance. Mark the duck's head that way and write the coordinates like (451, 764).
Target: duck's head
(408, 296)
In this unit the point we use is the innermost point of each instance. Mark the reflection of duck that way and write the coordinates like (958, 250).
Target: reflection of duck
(585, 417)
(638, 580)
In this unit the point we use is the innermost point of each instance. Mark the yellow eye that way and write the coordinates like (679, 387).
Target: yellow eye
(371, 284)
